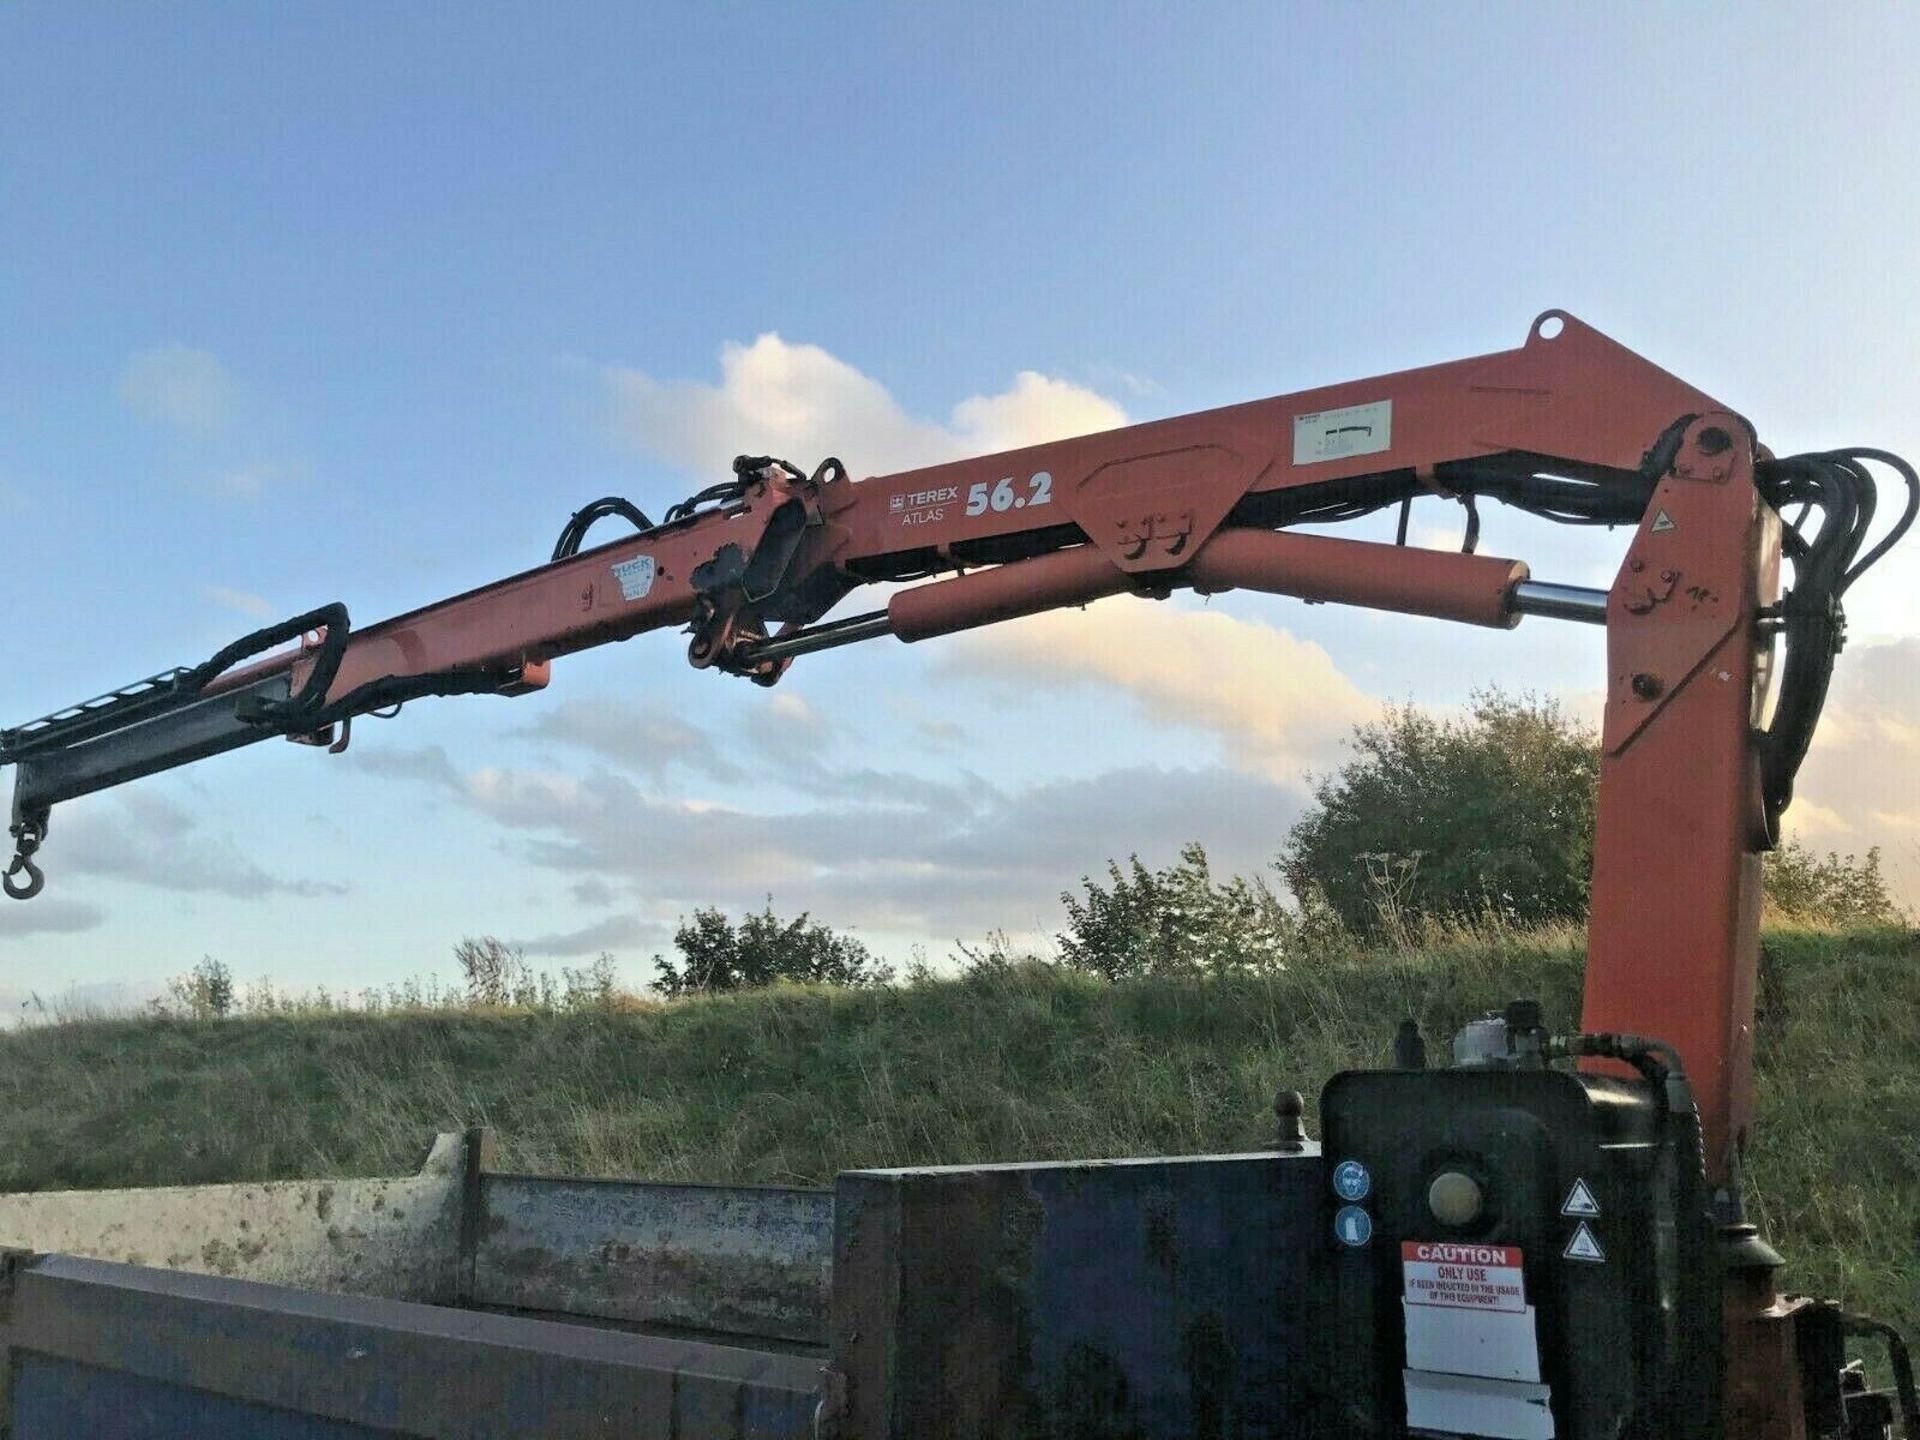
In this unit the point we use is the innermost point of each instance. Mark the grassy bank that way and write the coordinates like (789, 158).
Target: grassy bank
(1026, 1062)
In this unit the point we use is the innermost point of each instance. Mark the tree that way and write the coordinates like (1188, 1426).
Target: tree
(1837, 890)
(716, 954)
(1176, 921)
(1490, 814)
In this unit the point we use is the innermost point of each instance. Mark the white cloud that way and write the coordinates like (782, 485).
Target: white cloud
(143, 837)
(1860, 785)
(876, 851)
(633, 736)
(179, 387)
(1277, 703)
(243, 601)
(800, 401)
(48, 915)
(616, 932)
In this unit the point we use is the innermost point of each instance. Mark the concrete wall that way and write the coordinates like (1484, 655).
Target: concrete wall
(398, 1237)
(750, 1261)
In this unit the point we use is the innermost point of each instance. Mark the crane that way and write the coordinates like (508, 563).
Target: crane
(1722, 629)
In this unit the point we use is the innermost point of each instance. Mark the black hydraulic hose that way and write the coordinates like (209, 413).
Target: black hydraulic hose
(574, 533)
(332, 619)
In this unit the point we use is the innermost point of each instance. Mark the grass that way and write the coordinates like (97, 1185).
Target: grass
(1025, 1061)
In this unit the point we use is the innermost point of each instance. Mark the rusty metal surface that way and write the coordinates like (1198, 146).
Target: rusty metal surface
(744, 1260)
(1099, 1299)
(395, 1237)
(238, 1358)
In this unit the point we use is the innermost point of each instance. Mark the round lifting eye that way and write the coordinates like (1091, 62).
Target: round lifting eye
(1455, 1198)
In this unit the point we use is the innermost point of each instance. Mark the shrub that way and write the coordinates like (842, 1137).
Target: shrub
(716, 954)
(1837, 890)
(1176, 921)
(1486, 817)
(203, 993)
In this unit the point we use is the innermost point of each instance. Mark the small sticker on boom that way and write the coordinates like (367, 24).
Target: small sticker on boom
(635, 577)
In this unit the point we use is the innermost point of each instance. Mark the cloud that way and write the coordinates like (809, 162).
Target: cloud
(241, 600)
(634, 737)
(1860, 785)
(613, 933)
(427, 763)
(879, 850)
(779, 398)
(182, 388)
(48, 915)
(592, 891)
(146, 839)
(1277, 703)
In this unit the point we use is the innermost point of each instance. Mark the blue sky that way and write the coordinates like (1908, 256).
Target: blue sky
(346, 301)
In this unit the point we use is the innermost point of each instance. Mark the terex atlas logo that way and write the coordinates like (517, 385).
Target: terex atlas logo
(1463, 1254)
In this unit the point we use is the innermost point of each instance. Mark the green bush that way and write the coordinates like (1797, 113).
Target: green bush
(1178, 921)
(716, 955)
(203, 993)
(1487, 816)
(1836, 890)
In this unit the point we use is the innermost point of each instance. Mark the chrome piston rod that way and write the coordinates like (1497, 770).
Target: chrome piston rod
(1559, 602)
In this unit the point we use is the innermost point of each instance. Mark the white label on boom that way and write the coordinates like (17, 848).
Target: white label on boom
(635, 577)
(1335, 434)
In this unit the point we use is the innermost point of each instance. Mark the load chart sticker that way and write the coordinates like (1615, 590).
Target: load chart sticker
(1463, 1277)
(1335, 434)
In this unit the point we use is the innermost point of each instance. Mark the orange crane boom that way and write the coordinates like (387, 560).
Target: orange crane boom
(1571, 426)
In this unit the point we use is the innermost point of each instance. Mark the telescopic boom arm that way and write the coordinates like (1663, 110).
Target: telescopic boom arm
(1571, 426)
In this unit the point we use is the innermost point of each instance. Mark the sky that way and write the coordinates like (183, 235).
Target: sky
(345, 301)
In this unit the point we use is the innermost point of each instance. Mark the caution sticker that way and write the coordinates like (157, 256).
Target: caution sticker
(1463, 1277)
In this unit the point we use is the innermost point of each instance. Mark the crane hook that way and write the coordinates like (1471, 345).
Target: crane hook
(27, 838)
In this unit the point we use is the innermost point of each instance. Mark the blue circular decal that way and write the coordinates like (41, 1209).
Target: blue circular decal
(1351, 1180)
(1353, 1226)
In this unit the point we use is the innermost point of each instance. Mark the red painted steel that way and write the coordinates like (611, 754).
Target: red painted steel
(1006, 592)
(1575, 395)
(1673, 929)
(1473, 589)
(1148, 496)
(1672, 945)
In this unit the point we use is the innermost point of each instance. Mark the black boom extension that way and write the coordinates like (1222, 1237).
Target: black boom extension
(157, 723)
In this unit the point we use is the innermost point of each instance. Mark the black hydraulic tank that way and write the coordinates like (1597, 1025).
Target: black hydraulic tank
(1513, 1252)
